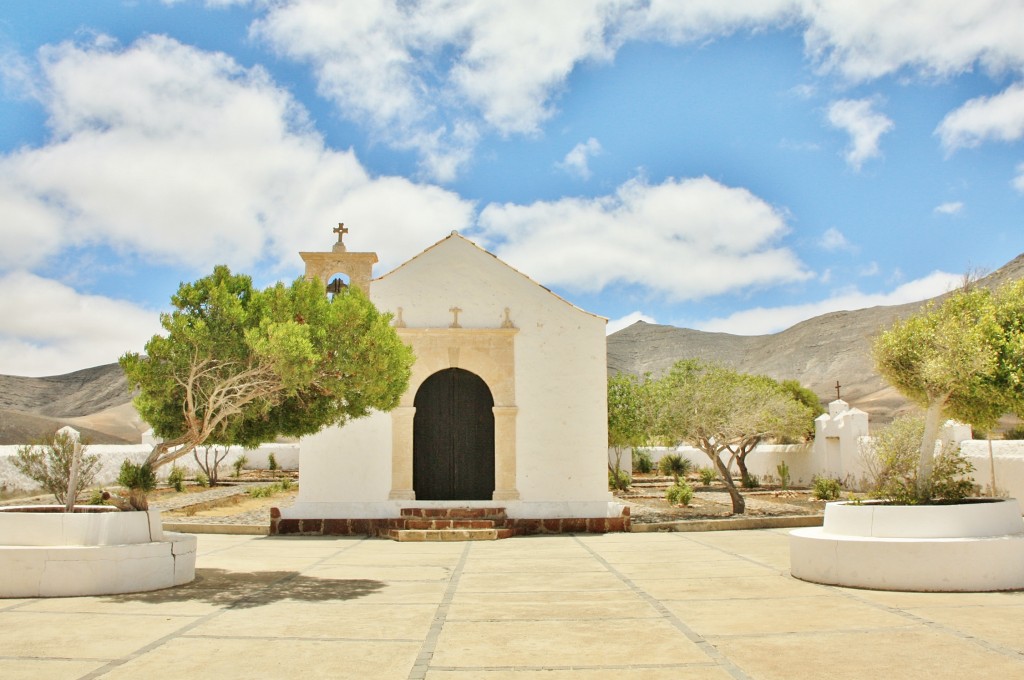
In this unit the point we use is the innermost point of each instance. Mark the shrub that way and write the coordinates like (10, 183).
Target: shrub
(642, 461)
(98, 497)
(826, 488)
(139, 480)
(679, 493)
(271, 462)
(239, 464)
(620, 481)
(675, 465)
(48, 463)
(286, 483)
(783, 471)
(1012, 433)
(750, 481)
(176, 478)
(707, 475)
(893, 461)
(202, 480)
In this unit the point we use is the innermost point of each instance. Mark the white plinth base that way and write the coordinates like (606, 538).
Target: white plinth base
(875, 546)
(66, 555)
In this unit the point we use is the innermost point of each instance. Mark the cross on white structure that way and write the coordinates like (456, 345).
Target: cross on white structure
(455, 322)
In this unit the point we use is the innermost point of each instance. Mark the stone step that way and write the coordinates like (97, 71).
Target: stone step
(435, 535)
(428, 524)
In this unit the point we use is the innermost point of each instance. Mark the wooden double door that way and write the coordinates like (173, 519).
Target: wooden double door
(453, 438)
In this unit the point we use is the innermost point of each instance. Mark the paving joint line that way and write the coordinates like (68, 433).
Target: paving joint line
(706, 647)
(897, 611)
(426, 653)
(184, 630)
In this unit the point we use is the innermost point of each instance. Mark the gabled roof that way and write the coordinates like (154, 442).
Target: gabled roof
(463, 239)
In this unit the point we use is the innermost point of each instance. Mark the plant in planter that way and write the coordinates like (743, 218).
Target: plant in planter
(139, 479)
(962, 358)
(50, 463)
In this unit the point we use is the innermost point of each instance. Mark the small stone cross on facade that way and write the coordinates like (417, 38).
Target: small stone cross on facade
(837, 390)
(340, 230)
(455, 321)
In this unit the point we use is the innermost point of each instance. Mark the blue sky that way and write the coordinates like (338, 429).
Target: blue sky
(733, 167)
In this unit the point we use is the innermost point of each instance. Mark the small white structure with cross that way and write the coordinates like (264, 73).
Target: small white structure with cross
(506, 405)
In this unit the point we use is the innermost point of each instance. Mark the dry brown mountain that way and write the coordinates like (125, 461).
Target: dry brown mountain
(94, 401)
(817, 352)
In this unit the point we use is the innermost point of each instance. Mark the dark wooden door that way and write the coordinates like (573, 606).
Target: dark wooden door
(453, 438)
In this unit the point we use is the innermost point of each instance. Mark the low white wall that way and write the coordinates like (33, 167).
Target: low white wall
(763, 461)
(13, 483)
(1008, 457)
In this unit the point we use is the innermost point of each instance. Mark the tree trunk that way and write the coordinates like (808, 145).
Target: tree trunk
(932, 423)
(738, 504)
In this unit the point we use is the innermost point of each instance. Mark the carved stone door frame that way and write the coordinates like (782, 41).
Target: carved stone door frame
(490, 354)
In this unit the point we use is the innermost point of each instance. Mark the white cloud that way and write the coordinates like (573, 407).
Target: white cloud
(577, 161)
(50, 329)
(833, 239)
(615, 325)
(684, 239)
(433, 76)
(867, 40)
(870, 269)
(185, 157)
(865, 127)
(762, 320)
(950, 208)
(999, 118)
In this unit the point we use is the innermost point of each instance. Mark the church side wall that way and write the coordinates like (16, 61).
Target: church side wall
(347, 464)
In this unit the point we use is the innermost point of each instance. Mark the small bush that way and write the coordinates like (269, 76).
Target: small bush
(826, 488)
(286, 483)
(202, 480)
(679, 493)
(98, 497)
(239, 464)
(270, 489)
(675, 465)
(271, 462)
(619, 482)
(750, 481)
(642, 462)
(48, 463)
(950, 479)
(176, 478)
(783, 471)
(1012, 433)
(707, 475)
(139, 480)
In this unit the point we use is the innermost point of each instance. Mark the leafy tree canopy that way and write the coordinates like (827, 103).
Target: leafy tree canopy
(238, 365)
(962, 358)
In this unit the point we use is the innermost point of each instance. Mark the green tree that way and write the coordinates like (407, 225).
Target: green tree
(962, 358)
(628, 418)
(719, 411)
(766, 409)
(238, 365)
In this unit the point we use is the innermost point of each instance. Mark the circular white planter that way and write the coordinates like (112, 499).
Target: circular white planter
(968, 547)
(45, 552)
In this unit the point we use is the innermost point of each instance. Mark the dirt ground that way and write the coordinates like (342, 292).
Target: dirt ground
(647, 501)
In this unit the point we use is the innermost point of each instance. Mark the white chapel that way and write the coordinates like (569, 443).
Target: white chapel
(505, 415)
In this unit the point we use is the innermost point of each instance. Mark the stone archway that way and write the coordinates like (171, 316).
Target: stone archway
(488, 353)
(453, 438)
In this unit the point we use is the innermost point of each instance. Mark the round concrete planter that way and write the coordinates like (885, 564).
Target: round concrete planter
(46, 552)
(967, 547)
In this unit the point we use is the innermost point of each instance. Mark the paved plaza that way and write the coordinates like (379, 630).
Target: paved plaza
(624, 606)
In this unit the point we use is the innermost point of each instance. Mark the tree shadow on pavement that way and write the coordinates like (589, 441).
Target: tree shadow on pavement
(242, 590)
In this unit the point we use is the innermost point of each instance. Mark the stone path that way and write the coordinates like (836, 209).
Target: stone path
(711, 606)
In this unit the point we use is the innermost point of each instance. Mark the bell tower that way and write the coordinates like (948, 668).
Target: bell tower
(357, 266)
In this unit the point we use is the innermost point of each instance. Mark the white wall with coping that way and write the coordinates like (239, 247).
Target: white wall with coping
(560, 377)
(112, 456)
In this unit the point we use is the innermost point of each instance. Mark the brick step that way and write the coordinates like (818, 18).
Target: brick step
(495, 514)
(436, 535)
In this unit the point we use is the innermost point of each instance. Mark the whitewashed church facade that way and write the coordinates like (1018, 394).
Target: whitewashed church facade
(506, 408)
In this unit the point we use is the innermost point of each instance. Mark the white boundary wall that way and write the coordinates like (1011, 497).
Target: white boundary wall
(111, 456)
